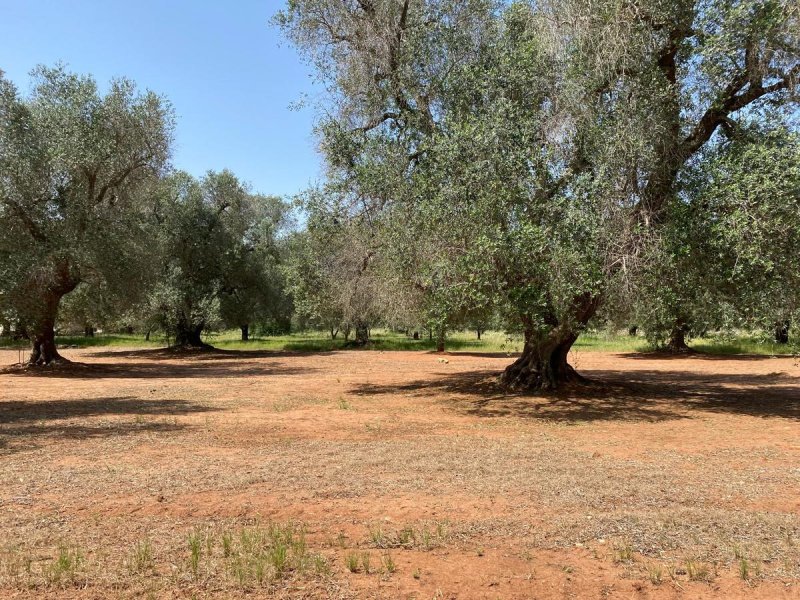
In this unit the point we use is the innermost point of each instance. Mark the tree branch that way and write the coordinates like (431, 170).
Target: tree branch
(33, 229)
(731, 100)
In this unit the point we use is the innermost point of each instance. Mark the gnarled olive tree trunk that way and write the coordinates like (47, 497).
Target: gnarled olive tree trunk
(187, 335)
(782, 332)
(42, 311)
(43, 344)
(677, 338)
(543, 364)
(362, 333)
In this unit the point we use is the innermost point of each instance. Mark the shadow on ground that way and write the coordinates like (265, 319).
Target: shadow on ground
(660, 355)
(209, 354)
(649, 395)
(70, 419)
(168, 364)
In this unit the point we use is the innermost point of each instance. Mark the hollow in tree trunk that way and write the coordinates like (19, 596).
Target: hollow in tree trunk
(245, 332)
(543, 364)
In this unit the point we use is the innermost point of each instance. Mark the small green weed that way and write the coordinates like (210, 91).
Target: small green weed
(64, 569)
(195, 551)
(141, 557)
(388, 563)
(351, 560)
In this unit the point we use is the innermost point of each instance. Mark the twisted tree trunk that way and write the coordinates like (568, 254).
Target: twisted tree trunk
(42, 311)
(543, 364)
(677, 339)
(362, 334)
(43, 345)
(782, 332)
(188, 335)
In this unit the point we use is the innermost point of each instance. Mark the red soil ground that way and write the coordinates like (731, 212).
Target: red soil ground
(669, 478)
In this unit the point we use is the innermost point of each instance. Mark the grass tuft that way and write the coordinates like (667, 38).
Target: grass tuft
(64, 570)
(141, 557)
(352, 562)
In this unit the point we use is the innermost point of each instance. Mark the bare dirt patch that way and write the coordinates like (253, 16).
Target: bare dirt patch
(395, 474)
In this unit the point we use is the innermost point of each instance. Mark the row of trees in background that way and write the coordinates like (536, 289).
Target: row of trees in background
(537, 166)
(97, 229)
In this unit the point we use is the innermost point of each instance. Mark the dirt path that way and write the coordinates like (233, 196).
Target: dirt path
(682, 483)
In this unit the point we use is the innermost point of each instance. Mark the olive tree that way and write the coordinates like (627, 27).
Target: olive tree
(556, 133)
(73, 165)
(333, 268)
(216, 248)
(253, 289)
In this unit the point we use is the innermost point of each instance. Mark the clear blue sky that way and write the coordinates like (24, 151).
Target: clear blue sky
(227, 71)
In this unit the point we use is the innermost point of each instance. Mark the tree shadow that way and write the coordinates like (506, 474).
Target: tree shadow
(614, 395)
(160, 354)
(155, 366)
(476, 354)
(697, 355)
(70, 419)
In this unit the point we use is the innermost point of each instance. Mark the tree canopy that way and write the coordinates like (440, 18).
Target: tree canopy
(73, 164)
(537, 150)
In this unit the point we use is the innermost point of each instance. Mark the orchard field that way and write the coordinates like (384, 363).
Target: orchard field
(430, 299)
(142, 472)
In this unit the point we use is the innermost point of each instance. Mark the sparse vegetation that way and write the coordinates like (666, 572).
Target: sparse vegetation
(141, 557)
(388, 563)
(65, 569)
(623, 552)
(352, 561)
(697, 570)
(426, 535)
(655, 573)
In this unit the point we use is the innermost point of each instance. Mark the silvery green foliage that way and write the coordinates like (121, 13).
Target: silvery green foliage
(528, 154)
(217, 248)
(74, 166)
(331, 270)
(254, 289)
